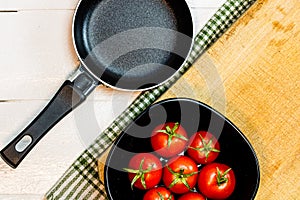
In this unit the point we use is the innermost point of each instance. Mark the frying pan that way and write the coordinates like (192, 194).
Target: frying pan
(127, 45)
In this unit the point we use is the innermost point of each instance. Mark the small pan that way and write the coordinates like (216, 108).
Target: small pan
(127, 45)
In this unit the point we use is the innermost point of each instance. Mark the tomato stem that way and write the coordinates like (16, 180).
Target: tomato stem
(139, 173)
(172, 133)
(221, 177)
(180, 177)
(161, 197)
(207, 147)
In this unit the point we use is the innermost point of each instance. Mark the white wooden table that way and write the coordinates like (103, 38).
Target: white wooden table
(37, 55)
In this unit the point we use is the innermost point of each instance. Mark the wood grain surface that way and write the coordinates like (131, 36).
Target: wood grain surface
(252, 76)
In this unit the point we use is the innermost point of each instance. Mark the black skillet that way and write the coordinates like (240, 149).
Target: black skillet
(124, 44)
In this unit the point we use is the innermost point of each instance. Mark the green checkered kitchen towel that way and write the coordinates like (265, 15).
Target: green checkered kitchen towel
(81, 180)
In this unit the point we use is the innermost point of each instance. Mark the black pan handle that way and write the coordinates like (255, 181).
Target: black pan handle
(69, 96)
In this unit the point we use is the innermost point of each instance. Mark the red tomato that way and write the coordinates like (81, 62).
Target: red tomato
(203, 147)
(169, 139)
(216, 181)
(192, 196)
(180, 174)
(144, 171)
(159, 193)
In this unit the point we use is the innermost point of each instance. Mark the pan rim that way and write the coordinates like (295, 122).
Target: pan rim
(83, 64)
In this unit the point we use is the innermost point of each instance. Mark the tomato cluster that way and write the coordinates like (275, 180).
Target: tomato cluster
(192, 175)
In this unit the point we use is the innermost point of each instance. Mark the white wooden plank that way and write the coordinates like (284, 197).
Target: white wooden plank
(205, 3)
(36, 53)
(58, 149)
(71, 4)
(21, 196)
(37, 4)
(201, 16)
(45, 164)
(15, 115)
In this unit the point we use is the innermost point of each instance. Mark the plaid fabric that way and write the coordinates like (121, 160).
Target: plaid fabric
(81, 180)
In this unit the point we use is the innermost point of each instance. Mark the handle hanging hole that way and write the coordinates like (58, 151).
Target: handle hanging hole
(23, 143)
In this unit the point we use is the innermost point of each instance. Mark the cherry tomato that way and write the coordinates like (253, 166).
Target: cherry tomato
(203, 147)
(159, 193)
(144, 171)
(216, 181)
(180, 174)
(192, 196)
(169, 139)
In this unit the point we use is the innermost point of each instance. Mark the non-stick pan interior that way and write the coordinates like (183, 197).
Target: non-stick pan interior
(133, 44)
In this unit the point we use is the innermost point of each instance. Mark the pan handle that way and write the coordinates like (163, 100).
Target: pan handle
(72, 93)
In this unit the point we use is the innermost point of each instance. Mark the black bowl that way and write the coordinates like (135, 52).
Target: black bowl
(236, 151)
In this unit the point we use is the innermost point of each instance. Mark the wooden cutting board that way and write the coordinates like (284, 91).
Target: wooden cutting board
(252, 76)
